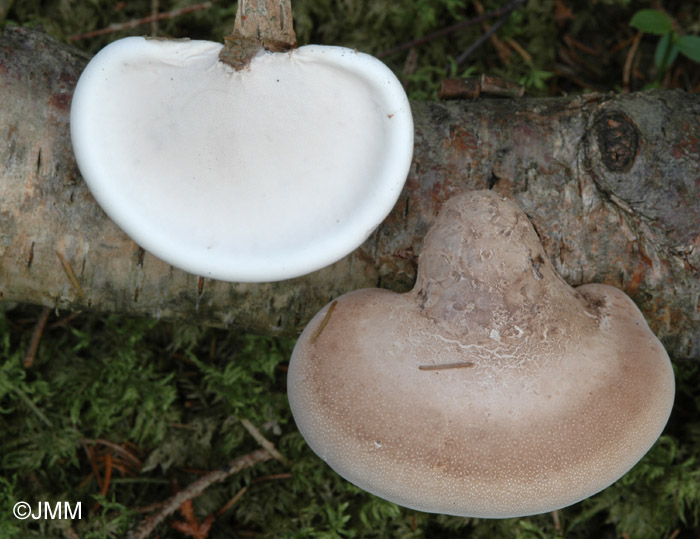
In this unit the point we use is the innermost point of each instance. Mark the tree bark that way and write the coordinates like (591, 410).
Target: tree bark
(611, 183)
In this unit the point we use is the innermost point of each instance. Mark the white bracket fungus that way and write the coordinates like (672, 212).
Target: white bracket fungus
(493, 389)
(255, 175)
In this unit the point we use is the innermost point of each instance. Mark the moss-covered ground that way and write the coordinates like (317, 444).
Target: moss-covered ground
(119, 413)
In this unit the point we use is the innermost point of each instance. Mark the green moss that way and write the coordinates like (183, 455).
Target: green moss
(566, 51)
(175, 394)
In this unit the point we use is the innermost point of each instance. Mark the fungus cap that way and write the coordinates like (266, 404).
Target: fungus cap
(493, 389)
(255, 175)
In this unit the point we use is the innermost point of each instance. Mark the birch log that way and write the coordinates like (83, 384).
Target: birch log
(611, 183)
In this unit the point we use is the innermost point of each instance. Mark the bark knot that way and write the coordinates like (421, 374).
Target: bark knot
(618, 140)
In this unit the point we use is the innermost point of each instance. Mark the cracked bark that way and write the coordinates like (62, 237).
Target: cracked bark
(611, 183)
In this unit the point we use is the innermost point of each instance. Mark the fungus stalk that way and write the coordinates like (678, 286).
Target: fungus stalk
(259, 24)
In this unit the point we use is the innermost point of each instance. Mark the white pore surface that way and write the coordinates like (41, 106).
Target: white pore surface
(258, 175)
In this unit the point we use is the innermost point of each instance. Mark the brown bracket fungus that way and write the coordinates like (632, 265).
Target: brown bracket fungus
(493, 389)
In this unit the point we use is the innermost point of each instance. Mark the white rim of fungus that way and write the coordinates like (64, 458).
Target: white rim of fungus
(259, 175)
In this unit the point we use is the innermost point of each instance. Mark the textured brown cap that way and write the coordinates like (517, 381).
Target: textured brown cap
(493, 389)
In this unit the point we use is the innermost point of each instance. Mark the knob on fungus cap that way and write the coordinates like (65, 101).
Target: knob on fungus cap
(493, 389)
(261, 174)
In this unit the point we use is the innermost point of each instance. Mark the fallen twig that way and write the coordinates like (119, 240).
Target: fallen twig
(106, 480)
(501, 48)
(71, 275)
(117, 27)
(36, 337)
(264, 442)
(195, 489)
(556, 520)
(267, 452)
(453, 28)
(325, 320)
(627, 71)
(128, 455)
(93, 463)
(191, 526)
(486, 35)
(65, 320)
(232, 501)
(154, 17)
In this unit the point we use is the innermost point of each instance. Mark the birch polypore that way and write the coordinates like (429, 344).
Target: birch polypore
(493, 389)
(256, 175)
